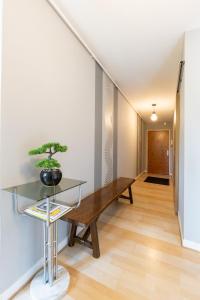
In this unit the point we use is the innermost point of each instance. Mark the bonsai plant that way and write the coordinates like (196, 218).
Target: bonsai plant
(50, 174)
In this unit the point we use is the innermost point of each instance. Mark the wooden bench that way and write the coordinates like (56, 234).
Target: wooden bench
(90, 209)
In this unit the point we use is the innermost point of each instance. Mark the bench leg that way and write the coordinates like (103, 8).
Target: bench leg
(95, 240)
(130, 195)
(72, 235)
(86, 234)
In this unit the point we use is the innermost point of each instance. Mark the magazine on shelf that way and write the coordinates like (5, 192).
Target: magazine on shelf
(40, 211)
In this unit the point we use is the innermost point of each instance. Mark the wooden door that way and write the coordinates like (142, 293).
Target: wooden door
(158, 152)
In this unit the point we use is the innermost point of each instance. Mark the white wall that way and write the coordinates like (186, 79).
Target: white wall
(181, 162)
(48, 91)
(107, 130)
(48, 95)
(1, 42)
(127, 139)
(190, 144)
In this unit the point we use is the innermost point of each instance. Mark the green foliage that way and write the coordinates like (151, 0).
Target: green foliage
(50, 149)
(47, 163)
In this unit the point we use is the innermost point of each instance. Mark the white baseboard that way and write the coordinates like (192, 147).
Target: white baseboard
(187, 243)
(139, 175)
(191, 245)
(180, 228)
(15, 287)
(21, 281)
(62, 244)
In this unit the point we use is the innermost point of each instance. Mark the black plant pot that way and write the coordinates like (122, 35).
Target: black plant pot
(51, 177)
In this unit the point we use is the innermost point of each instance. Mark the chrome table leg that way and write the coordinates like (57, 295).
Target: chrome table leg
(45, 252)
(55, 250)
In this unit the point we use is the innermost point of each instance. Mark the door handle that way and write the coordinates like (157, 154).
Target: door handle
(167, 152)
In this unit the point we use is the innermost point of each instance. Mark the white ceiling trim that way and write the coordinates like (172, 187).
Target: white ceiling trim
(83, 43)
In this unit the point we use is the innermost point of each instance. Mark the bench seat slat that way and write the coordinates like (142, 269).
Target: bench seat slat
(93, 205)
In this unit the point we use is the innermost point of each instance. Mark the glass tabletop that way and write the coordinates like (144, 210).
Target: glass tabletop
(38, 191)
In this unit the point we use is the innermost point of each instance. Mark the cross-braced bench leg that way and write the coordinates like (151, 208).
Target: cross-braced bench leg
(130, 195)
(83, 239)
(95, 239)
(72, 235)
(86, 234)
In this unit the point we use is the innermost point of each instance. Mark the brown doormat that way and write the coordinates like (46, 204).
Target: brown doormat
(157, 180)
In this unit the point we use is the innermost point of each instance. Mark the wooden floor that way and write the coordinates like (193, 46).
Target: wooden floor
(141, 253)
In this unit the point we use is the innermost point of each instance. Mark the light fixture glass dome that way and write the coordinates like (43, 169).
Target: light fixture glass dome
(154, 116)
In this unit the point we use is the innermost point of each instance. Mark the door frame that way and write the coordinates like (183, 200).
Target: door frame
(147, 143)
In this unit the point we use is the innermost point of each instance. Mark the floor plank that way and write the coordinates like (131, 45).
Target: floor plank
(141, 253)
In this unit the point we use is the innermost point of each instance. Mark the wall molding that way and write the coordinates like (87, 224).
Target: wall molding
(22, 281)
(187, 243)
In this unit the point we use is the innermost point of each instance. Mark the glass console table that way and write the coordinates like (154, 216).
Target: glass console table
(52, 282)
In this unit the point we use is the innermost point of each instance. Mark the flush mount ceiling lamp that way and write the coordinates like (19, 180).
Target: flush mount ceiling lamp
(154, 116)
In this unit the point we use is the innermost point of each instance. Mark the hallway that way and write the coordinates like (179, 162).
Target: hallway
(141, 255)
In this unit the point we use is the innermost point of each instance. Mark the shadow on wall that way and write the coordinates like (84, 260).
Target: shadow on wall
(28, 171)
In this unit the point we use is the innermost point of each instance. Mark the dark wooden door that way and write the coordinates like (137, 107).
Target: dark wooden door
(158, 152)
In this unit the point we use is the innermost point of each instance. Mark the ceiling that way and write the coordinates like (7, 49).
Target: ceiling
(139, 42)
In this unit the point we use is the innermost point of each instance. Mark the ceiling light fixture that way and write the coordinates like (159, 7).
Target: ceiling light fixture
(154, 116)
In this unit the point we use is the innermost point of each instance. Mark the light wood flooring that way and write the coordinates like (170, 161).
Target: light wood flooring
(141, 253)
